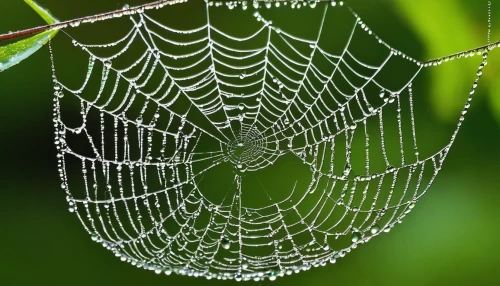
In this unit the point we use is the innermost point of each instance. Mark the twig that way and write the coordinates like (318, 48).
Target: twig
(161, 3)
(103, 16)
(90, 19)
(471, 52)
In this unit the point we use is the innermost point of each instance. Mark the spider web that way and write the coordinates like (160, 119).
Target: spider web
(138, 187)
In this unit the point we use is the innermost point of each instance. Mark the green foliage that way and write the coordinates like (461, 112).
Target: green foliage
(495, 97)
(13, 54)
(444, 34)
(42, 12)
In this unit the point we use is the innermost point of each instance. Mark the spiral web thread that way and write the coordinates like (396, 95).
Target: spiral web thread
(295, 108)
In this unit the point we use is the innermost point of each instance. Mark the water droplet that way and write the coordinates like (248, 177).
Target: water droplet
(75, 24)
(225, 243)
(375, 229)
(238, 277)
(273, 274)
(241, 106)
(356, 236)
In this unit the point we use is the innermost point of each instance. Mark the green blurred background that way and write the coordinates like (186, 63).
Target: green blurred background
(449, 239)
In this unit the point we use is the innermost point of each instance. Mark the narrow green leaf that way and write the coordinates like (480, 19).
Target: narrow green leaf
(42, 12)
(14, 53)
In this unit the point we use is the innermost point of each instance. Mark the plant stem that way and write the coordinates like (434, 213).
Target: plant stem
(162, 3)
(90, 19)
(471, 52)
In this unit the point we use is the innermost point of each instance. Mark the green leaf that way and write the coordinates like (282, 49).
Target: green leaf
(14, 53)
(42, 12)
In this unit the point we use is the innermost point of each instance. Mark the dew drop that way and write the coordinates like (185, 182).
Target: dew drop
(75, 24)
(225, 243)
(356, 236)
(411, 205)
(375, 229)
(273, 274)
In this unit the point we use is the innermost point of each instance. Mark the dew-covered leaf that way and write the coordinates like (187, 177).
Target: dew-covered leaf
(14, 53)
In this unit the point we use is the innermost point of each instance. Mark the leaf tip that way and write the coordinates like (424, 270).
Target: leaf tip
(44, 13)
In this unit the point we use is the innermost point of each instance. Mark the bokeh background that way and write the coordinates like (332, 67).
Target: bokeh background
(451, 238)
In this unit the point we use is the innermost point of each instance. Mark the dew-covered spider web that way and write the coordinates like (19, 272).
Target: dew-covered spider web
(164, 148)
